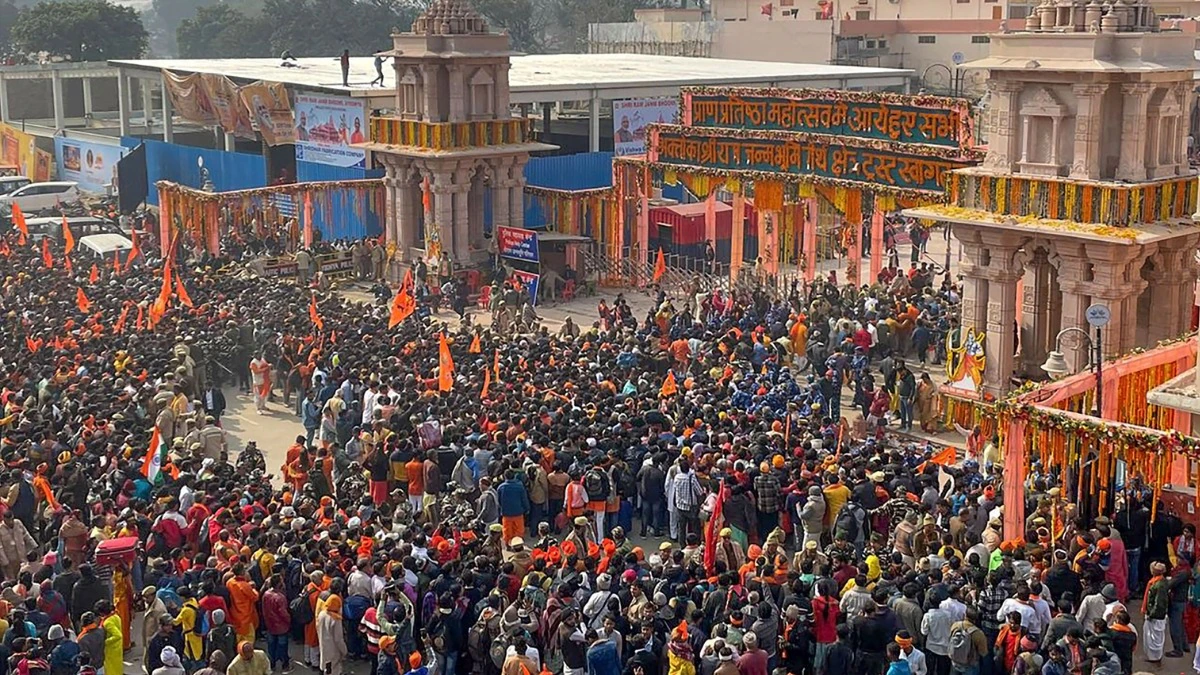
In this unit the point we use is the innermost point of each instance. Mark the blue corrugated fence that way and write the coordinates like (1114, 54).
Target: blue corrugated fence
(227, 170)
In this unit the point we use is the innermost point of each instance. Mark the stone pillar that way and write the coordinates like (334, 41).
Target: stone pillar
(1086, 161)
(516, 198)
(1172, 290)
(3, 99)
(1187, 99)
(503, 100)
(429, 82)
(1035, 314)
(443, 210)
(147, 104)
(1002, 273)
(501, 189)
(1072, 264)
(458, 93)
(1002, 142)
(123, 102)
(973, 267)
(461, 251)
(594, 123)
(1132, 165)
(1116, 282)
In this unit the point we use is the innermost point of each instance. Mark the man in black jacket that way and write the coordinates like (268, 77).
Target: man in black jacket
(166, 636)
(87, 592)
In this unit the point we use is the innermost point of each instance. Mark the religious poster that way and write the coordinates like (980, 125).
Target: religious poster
(227, 105)
(189, 98)
(270, 112)
(965, 359)
(19, 149)
(92, 165)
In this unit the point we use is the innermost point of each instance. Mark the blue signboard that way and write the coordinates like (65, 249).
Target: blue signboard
(517, 243)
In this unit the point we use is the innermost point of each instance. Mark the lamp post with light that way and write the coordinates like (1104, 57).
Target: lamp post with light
(1056, 366)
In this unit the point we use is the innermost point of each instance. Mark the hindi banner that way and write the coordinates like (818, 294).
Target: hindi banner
(896, 118)
(227, 105)
(785, 158)
(630, 117)
(517, 243)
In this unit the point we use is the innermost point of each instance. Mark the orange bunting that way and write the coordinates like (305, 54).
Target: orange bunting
(445, 365)
(68, 236)
(81, 301)
(312, 313)
(182, 293)
(94, 275)
(660, 266)
(476, 347)
(18, 219)
(669, 388)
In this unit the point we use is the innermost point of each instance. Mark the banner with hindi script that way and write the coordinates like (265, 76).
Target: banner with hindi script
(630, 119)
(227, 105)
(878, 116)
(788, 156)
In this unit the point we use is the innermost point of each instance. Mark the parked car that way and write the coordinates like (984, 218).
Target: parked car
(36, 197)
(104, 246)
(81, 226)
(10, 183)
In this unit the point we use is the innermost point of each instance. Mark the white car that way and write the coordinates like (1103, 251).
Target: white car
(41, 196)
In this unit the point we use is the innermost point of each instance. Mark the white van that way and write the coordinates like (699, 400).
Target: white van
(8, 184)
(36, 197)
(105, 246)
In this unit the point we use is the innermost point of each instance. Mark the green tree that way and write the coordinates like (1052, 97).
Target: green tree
(326, 27)
(83, 30)
(525, 21)
(220, 31)
(8, 18)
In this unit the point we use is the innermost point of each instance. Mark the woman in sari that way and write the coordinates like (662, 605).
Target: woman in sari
(123, 602)
(926, 403)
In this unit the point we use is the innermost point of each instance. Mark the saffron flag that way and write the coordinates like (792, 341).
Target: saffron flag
(116, 262)
(68, 236)
(139, 323)
(67, 264)
(487, 382)
(445, 365)
(312, 313)
(47, 259)
(152, 464)
(475, 347)
(496, 363)
(81, 301)
(94, 275)
(32, 345)
(120, 325)
(18, 219)
(403, 304)
(134, 251)
(660, 265)
(669, 388)
(182, 294)
(946, 457)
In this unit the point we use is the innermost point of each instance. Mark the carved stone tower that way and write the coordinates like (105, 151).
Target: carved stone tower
(451, 137)
(1085, 196)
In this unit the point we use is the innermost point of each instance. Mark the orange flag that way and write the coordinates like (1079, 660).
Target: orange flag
(496, 364)
(67, 264)
(81, 301)
(68, 236)
(4, 249)
(182, 294)
(141, 317)
(660, 265)
(116, 262)
(47, 259)
(119, 327)
(32, 345)
(94, 275)
(946, 457)
(134, 252)
(18, 219)
(475, 347)
(669, 388)
(403, 305)
(445, 365)
(164, 294)
(312, 313)
(487, 382)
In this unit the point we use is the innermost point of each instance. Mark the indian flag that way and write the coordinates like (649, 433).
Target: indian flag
(152, 465)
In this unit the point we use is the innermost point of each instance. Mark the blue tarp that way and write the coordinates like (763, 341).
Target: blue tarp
(227, 170)
(583, 171)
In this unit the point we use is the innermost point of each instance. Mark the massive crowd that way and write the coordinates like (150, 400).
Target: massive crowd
(454, 502)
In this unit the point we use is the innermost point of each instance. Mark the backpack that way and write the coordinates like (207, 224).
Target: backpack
(596, 484)
(961, 646)
(255, 570)
(848, 524)
(301, 610)
(626, 483)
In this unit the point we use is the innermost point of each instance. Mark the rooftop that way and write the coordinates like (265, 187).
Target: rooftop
(547, 77)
